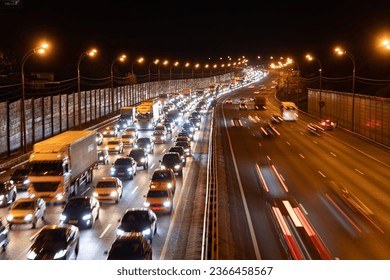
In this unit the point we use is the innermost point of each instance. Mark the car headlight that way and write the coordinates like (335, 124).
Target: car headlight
(120, 231)
(31, 255)
(112, 169)
(95, 194)
(142, 160)
(177, 166)
(60, 254)
(169, 185)
(10, 217)
(2, 197)
(86, 217)
(146, 204)
(62, 217)
(146, 231)
(167, 203)
(114, 193)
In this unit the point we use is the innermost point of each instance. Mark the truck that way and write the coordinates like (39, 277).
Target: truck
(148, 114)
(61, 164)
(260, 103)
(127, 117)
(186, 94)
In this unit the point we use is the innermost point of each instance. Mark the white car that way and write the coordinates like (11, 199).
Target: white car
(27, 211)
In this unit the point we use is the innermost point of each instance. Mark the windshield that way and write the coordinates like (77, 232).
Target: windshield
(137, 153)
(123, 161)
(24, 205)
(157, 194)
(161, 176)
(46, 168)
(104, 185)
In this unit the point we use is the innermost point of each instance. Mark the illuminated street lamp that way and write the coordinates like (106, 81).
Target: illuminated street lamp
(158, 69)
(340, 51)
(38, 50)
(139, 60)
(150, 64)
(194, 67)
(320, 103)
(90, 53)
(120, 59)
(205, 67)
(386, 44)
(182, 69)
(170, 69)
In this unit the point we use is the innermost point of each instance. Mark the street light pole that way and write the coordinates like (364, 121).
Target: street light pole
(182, 69)
(170, 69)
(139, 60)
(150, 64)
(87, 53)
(121, 59)
(320, 103)
(38, 50)
(158, 69)
(350, 56)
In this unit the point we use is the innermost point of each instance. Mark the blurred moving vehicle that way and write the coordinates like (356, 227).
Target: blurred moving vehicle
(140, 156)
(3, 235)
(229, 101)
(180, 150)
(139, 219)
(20, 177)
(108, 189)
(28, 210)
(130, 246)
(315, 129)
(55, 242)
(328, 124)
(81, 211)
(242, 106)
(8, 193)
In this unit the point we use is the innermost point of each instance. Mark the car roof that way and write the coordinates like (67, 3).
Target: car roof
(108, 179)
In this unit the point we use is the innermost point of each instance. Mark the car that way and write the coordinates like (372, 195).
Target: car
(81, 211)
(186, 146)
(110, 131)
(131, 246)
(172, 160)
(114, 146)
(180, 150)
(268, 130)
(242, 106)
(186, 133)
(138, 219)
(128, 138)
(229, 101)
(108, 189)
(163, 178)
(99, 138)
(188, 126)
(159, 200)
(27, 210)
(132, 130)
(102, 157)
(169, 121)
(328, 124)
(4, 241)
(8, 193)
(196, 122)
(20, 177)
(124, 167)
(277, 119)
(146, 143)
(140, 156)
(55, 242)
(182, 138)
(159, 136)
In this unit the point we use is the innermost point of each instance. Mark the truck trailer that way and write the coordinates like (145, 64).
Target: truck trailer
(260, 103)
(148, 114)
(127, 117)
(61, 164)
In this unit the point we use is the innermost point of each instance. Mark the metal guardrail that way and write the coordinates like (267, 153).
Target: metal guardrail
(210, 226)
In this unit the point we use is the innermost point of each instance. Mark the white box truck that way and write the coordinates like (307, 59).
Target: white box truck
(60, 164)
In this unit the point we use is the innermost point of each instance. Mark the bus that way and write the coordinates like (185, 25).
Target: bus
(289, 111)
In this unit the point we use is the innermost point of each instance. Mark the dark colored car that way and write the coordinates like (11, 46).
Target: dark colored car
(186, 133)
(20, 177)
(140, 156)
(189, 126)
(103, 156)
(81, 211)
(124, 167)
(173, 161)
(8, 193)
(196, 122)
(55, 242)
(146, 143)
(186, 146)
(131, 246)
(3, 235)
(180, 150)
(141, 219)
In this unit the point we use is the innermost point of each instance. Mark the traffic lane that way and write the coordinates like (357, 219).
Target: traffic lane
(244, 145)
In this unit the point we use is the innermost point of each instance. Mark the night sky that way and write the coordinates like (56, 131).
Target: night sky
(200, 31)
